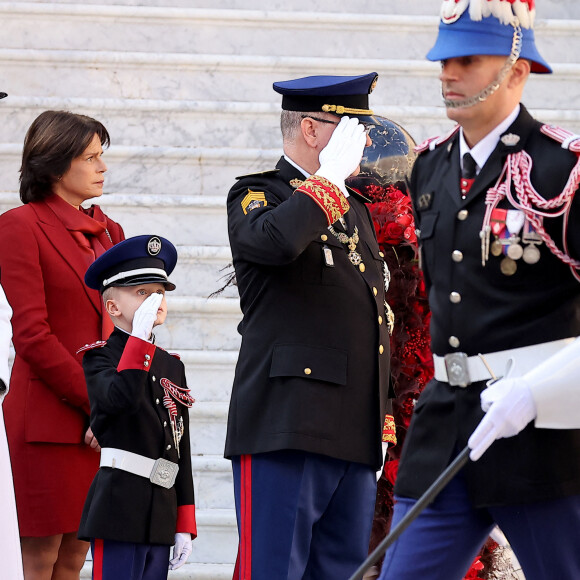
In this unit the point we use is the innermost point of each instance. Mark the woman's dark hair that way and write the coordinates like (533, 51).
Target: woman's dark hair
(53, 140)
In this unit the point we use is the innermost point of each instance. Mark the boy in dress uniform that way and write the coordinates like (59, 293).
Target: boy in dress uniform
(497, 207)
(141, 501)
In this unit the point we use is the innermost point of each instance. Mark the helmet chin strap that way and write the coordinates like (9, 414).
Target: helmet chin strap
(495, 84)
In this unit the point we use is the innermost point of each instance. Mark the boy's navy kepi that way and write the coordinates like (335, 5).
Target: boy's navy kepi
(137, 260)
(481, 27)
(339, 95)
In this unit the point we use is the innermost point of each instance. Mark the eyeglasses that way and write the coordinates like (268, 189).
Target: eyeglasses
(367, 126)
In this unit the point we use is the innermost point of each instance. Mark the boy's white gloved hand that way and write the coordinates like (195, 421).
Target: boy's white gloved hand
(181, 550)
(509, 406)
(145, 316)
(343, 153)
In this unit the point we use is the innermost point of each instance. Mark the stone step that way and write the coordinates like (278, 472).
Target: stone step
(274, 32)
(189, 571)
(200, 324)
(212, 124)
(238, 77)
(212, 476)
(208, 421)
(169, 29)
(185, 220)
(210, 374)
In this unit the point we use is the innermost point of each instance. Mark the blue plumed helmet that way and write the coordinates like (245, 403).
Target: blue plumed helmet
(472, 27)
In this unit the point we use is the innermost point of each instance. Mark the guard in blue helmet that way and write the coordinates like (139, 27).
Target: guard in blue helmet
(310, 391)
(495, 203)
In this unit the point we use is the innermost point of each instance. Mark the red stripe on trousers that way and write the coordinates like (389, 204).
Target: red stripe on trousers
(246, 517)
(98, 560)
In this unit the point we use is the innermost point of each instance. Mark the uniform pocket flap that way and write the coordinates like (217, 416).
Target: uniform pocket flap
(310, 362)
(428, 221)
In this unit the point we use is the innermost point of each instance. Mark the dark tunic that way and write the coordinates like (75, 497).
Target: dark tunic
(310, 373)
(539, 303)
(127, 412)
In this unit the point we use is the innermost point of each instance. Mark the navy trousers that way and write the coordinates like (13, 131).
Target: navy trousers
(301, 516)
(443, 541)
(128, 561)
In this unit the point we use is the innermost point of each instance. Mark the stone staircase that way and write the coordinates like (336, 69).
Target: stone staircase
(184, 87)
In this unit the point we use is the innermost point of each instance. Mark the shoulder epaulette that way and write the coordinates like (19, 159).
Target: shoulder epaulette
(566, 138)
(175, 355)
(98, 344)
(433, 142)
(259, 173)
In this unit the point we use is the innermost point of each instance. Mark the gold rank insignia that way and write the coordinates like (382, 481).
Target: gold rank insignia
(253, 200)
(296, 183)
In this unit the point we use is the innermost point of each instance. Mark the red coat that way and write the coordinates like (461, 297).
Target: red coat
(42, 271)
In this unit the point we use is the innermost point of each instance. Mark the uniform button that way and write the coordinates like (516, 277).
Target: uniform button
(362, 267)
(153, 378)
(157, 401)
(375, 291)
(147, 357)
(146, 364)
(457, 256)
(165, 423)
(462, 214)
(168, 447)
(307, 371)
(380, 319)
(455, 297)
(381, 349)
(324, 237)
(454, 341)
(381, 254)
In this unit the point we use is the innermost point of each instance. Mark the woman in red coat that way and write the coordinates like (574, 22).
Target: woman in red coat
(46, 246)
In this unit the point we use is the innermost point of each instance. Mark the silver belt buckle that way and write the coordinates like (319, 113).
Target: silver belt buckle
(164, 473)
(456, 364)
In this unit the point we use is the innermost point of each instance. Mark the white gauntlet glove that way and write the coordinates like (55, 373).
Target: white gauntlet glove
(181, 550)
(509, 407)
(343, 153)
(548, 393)
(145, 316)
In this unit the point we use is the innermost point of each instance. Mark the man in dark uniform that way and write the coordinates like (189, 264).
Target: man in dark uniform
(141, 500)
(311, 383)
(496, 207)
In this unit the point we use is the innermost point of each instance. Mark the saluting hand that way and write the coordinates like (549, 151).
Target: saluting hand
(145, 316)
(343, 153)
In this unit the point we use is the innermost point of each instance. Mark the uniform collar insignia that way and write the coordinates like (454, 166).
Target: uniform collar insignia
(424, 201)
(296, 182)
(510, 139)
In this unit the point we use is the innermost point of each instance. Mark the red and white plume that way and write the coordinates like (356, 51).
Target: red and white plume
(503, 10)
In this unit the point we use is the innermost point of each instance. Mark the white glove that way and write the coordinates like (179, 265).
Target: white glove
(181, 550)
(5, 337)
(499, 537)
(343, 153)
(145, 316)
(509, 407)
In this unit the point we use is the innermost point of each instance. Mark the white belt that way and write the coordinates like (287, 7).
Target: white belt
(159, 471)
(460, 370)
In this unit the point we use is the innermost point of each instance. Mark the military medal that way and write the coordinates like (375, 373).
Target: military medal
(533, 239)
(508, 266)
(351, 242)
(496, 247)
(514, 250)
(514, 222)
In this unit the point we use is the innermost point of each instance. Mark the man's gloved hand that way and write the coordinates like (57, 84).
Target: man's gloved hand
(145, 316)
(343, 153)
(509, 407)
(181, 550)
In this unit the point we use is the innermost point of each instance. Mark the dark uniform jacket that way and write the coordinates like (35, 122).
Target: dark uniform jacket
(127, 412)
(539, 303)
(313, 368)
